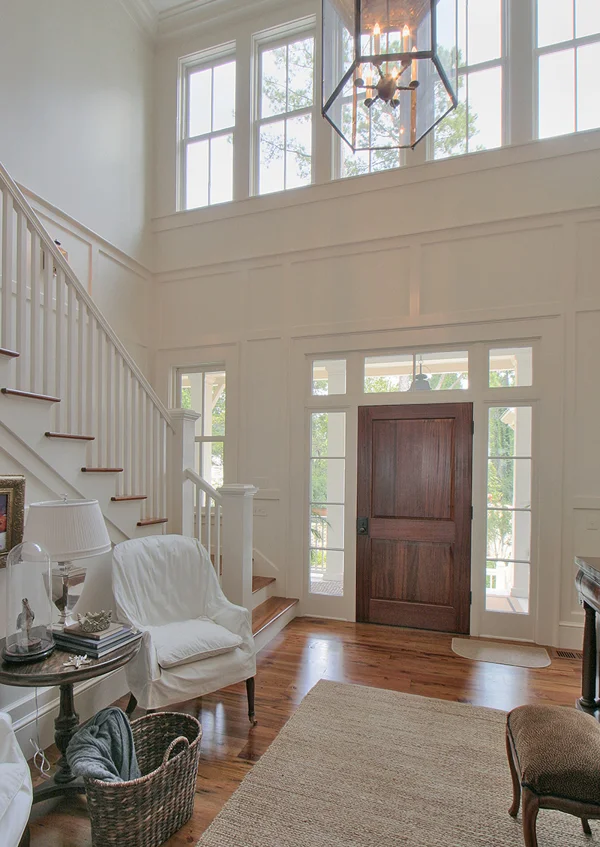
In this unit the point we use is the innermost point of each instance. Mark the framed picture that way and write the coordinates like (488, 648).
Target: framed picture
(12, 510)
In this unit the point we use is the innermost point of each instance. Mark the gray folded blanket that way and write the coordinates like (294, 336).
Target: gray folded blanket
(103, 748)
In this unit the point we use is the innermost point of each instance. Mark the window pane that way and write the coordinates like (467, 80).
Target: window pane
(556, 105)
(199, 102)
(509, 483)
(588, 97)
(196, 175)
(215, 398)
(224, 99)
(511, 366)
(484, 31)
(328, 438)
(272, 158)
(329, 376)
(298, 151)
(450, 136)
(221, 169)
(274, 76)
(211, 469)
(485, 109)
(326, 526)
(384, 374)
(300, 74)
(587, 18)
(555, 21)
(327, 480)
(327, 572)
(446, 371)
(507, 587)
(510, 431)
(509, 535)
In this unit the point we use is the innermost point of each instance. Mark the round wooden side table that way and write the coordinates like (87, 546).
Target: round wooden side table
(51, 671)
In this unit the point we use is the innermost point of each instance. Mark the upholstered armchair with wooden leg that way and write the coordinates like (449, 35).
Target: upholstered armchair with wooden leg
(195, 641)
(554, 758)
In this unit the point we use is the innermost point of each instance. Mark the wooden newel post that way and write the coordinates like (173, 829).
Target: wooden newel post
(182, 455)
(237, 543)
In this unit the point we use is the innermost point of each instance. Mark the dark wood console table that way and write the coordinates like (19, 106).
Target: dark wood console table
(588, 586)
(51, 671)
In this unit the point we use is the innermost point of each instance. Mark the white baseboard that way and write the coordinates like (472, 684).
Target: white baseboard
(90, 697)
(570, 635)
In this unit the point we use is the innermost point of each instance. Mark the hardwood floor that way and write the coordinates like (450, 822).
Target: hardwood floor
(306, 651)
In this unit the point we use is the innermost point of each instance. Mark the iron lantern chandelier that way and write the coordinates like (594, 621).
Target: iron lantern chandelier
(389, 69)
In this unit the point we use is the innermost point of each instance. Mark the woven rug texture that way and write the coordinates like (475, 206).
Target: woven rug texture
(501, 653)
(373, 768)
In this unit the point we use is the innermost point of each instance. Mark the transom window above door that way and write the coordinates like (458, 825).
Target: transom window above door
(443, 371)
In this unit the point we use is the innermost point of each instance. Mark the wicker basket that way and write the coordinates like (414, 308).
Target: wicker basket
(145, 812)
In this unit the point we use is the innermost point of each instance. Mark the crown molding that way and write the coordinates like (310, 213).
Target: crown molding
(192, 15)
(143, 13)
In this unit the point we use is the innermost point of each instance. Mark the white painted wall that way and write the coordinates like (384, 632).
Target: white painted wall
(76, 106)
(489, 247)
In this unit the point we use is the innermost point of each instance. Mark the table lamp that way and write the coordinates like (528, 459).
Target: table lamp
(69, 530)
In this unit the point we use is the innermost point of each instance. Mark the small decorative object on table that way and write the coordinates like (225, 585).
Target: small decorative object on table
(94, 621)
(28, 605)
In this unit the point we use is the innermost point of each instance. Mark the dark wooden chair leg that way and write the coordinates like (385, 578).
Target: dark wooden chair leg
(531, 807)
(250, 693)
(25, 838)
(585, 826)
(516, 780)
(131, 706)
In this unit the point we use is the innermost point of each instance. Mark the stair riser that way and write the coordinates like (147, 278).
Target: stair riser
(274, 628)
(260, 596)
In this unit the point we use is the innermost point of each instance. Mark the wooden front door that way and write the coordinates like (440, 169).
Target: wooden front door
(414, 490)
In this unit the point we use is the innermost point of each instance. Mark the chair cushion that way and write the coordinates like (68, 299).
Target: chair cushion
(183, 642)
(558, 751)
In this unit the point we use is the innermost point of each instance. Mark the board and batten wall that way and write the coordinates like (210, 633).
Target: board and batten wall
(479, 248)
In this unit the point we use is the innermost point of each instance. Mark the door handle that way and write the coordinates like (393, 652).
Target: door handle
(362, 526)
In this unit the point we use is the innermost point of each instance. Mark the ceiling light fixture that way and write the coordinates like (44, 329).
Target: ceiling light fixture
(389, 69)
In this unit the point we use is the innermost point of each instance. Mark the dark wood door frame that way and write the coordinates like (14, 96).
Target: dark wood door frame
(444, 528)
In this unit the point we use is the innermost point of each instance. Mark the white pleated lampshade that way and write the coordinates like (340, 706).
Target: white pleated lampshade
(68, 529)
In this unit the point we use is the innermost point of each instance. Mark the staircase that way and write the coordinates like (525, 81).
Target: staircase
(78, 417)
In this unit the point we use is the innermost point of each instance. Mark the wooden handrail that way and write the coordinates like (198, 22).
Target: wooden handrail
(201, 483)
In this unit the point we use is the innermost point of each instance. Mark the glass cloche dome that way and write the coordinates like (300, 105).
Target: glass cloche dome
(28, 604)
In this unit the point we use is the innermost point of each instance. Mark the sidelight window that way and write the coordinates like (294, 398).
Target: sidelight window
(509, 482)
(326, 505)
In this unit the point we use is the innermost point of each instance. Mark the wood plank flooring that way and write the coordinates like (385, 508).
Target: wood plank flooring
(306, 651)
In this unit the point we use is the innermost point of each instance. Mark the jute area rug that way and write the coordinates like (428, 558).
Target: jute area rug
(370, 768)
(500, 653)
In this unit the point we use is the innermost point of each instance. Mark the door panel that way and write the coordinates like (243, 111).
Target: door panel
(414, 486)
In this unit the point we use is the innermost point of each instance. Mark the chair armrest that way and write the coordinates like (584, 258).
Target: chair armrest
(234, 618)
(146, 662)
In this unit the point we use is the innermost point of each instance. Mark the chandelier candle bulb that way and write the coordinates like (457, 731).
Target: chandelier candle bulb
(414, 74)
(406, 40)
(376, 40)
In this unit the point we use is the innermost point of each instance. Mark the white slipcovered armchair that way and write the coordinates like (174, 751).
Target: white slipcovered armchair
(16, 792)
(195, 641)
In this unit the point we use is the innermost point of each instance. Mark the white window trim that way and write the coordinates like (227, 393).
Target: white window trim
(210, 58)
(268, 39)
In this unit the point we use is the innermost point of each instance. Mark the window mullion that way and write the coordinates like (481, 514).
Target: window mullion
(521, 71)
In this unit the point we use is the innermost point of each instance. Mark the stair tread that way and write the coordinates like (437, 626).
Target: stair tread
(69, 437)
(102, 470)
(125, 497)
(151, 521)
(16, 393)
(269, 611)
(10, 354)
(259, 582)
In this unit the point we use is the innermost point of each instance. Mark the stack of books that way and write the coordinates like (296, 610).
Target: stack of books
(96, 645)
